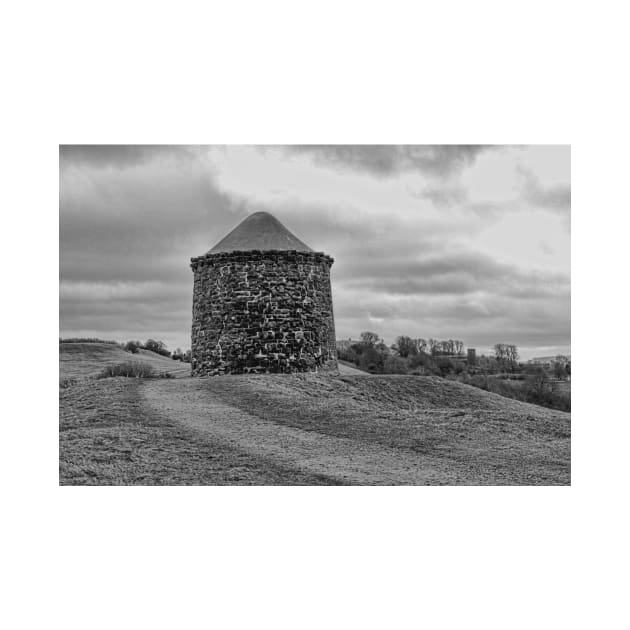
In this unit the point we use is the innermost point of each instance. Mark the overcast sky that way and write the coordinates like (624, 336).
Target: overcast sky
(469, 243)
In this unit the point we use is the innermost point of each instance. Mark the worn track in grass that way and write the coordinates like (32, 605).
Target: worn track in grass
(373, 430)
(107, 436)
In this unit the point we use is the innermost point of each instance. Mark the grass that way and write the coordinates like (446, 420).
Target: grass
(352, 365)
(548, 394)
(129, 369)
(297, 430)
(107, 437)
(81, 360)
(87, 340)
(481, 437)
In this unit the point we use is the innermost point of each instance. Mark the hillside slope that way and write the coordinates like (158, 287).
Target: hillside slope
(376, 429)
(80, 360)
(307, 429)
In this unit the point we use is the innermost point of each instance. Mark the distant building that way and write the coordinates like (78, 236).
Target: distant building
(471, 356)
(547, 360)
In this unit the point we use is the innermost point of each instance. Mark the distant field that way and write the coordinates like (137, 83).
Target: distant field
(78, 360)
(303, 429)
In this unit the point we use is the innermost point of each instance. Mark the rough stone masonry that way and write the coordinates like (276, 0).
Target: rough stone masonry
(262, 303)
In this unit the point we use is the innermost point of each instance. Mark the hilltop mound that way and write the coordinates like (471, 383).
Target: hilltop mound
(307, 429)
(378, 429)
(80, 360)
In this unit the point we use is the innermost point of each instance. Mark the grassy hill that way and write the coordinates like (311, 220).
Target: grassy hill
(79, 360)
(303, 429)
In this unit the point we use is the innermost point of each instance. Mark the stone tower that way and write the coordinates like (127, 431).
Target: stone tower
(262, 303)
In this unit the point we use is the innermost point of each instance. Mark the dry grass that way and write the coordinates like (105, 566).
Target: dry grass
(472, 436)
(132, 369)
(80, 360)
(300, 429)
(107, 437)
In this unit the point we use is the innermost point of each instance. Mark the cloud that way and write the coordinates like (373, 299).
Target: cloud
(556, 198)
(119, 156)
(140, 222)
(479, 320)
(447, 242)
(387, 160)
(445, 196)
(451, 273)
(468, 295)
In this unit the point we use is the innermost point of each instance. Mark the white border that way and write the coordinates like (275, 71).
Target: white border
(245, 72)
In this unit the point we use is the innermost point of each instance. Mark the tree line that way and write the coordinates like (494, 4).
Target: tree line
(159, 347)
(500, 372)
(407, 346)
(407, 354)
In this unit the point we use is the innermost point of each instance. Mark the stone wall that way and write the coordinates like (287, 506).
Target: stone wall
(262, 312)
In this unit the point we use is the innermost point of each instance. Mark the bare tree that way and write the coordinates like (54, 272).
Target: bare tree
(500, 352)
(421, 344)
(506, 354)
(405, 346)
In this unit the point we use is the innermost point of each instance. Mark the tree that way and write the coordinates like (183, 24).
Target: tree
(382, 348)
(369, 338)
(445, 366)
(499, 352)
(371, 360)
(538, 385)
(152, 344)
(406, 346)
(420, 359)
(421, 344)
(506, 354)
(560, 364)
(395, 365)
(133, 346)
(488, 364)
(157, 346)
(512, 356)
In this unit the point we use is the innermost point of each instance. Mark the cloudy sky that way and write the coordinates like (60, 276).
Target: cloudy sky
(469, 243)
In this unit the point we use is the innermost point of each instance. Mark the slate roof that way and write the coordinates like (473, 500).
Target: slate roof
(260, 231)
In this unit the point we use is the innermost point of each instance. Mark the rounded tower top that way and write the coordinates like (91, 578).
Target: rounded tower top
(259, 231)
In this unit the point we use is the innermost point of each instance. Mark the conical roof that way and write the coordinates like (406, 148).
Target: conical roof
(260, 231)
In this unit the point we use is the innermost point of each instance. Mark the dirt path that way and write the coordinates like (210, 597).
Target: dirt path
(351, 461)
